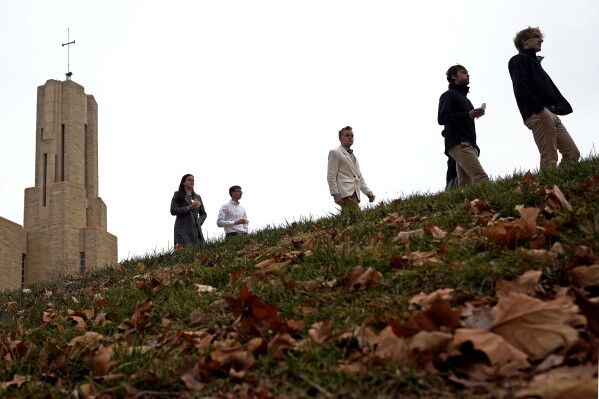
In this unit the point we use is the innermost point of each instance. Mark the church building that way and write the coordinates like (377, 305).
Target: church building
(64, 228)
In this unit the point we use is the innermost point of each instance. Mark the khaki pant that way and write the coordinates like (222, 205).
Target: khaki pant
(467, 164)
(350, 202)
(550, 136)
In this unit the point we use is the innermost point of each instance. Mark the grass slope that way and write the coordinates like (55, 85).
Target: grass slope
(399, 300)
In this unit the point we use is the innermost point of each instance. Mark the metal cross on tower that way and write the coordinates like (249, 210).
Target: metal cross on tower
(68, 43)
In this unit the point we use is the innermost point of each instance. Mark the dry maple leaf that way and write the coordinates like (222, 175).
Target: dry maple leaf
(536, 327)
(255, 316)
(281, 342)
(506, 234)
(583, 255)
(191, 381)
(420, 258)
(234, 360)
(527, 180)
(525, 284)
(101, 360)
(478, 206)
(404, 236)
(585, 276)
(389, 346)
(141, 315)
(554, 201)
(505, 359)
(90, 338)
(436, 232)
(17, 380)
(425, 346)
(529, 217)
(393, 219)
(565, 382)
(359, 279)
(589, 309)
(439, 315)
(321, 331)
(424, 301)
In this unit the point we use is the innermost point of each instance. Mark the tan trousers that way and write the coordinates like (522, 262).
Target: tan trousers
(550, 136)
(467, 164)
(350, 202)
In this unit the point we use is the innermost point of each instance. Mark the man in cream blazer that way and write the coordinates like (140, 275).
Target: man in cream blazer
(343, 173)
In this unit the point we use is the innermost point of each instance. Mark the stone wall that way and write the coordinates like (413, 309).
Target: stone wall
(13, 245)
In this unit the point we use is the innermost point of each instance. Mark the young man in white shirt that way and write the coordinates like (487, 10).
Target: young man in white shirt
(232, 216)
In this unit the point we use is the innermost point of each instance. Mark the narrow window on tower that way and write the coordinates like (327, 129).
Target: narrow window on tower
(82, 262)
(85, 152)
(62, 154)
(45, 175)
(23, 269)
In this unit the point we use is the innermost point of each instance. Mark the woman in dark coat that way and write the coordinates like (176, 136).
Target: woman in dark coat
(188, 207)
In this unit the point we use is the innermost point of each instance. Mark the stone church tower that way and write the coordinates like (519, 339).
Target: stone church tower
(64, 229)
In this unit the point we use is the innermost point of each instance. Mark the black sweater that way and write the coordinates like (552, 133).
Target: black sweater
(533, 87)
(454, 107)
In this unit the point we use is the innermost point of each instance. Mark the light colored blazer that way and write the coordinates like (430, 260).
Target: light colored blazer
(343, 174)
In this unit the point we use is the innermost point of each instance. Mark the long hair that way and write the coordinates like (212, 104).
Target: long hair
(180, 193)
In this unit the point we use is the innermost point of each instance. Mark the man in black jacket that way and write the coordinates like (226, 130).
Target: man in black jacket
(457, 114)
(539, 100)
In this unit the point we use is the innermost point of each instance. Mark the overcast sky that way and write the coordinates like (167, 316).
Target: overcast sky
(254, 92)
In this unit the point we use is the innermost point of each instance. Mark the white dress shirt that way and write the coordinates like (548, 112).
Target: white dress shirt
(228, 214)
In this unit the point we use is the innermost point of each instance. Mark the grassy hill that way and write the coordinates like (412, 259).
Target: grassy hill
(490, 291)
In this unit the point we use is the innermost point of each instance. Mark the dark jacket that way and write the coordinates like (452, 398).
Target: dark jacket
(454, 107)
(188, 223)
(533, 88)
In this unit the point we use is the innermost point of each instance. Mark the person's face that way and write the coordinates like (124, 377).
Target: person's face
(462, 77)
(347, 138)
(236, 194)
(188, 183)
(534, 43)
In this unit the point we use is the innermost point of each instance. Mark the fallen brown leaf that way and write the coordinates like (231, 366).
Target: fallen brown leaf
(564, 382)
(524, 284)
(585, 276)
(359, 279)
(438, 315)
(321, 331)
(536, 327)
(101, 360)
(589, 309)
(506, 359)
(424, 301)
(529, 217)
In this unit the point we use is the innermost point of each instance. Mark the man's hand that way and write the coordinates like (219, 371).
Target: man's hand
(337, 198)
(476, 113)
(242, 221)
(371, 197)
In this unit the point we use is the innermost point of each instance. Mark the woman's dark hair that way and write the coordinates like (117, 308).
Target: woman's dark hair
(180, 194)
